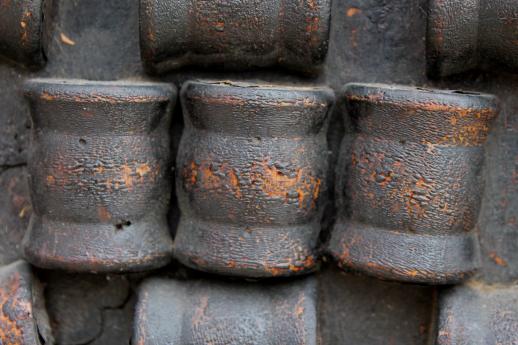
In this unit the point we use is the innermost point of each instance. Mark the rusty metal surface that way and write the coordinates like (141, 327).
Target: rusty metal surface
(21, 31)
(409, 182)
(100, 175)
(251, 178)
(234, 34)
(22, 318)
(226, 313)
(466, 34)
(478, 314)
(370, 41)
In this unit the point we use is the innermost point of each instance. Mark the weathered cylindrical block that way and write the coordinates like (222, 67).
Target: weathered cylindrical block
(202, 312)
(23, 317)
(478, 314)
(234, 34)
(100, 175)
(464, 34)
(251, 177)
(409, 183)
(21, 28)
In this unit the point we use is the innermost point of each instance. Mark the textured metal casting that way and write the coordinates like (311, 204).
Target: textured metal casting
(251, 177)
(466, 34)
(409, 182)
(234, 34)
(478, 314)
(23, 319)
(100, 175)
(198, 312)
(21, 31)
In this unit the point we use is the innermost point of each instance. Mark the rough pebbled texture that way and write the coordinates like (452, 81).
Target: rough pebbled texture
(251, 178)
(215, 312)
(100, 175)
(86, 308)
(15, 212)
(355, 309)
(235, 34)
(465, 34)
(20, 309)
(408, 189)
(21, 31)
(478, 314)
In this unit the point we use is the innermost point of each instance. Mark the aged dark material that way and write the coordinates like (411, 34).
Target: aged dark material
(21, 28)
(214, 312)
(15, 212)
(234, 34)
(410, 182)
(251, 178)
(464, 34)
(478, 314)
(23, 319)
(100, 175)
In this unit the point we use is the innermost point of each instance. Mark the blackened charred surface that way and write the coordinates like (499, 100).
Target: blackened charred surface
(477, 314)
(464, 35)
(366, 311)
(18, 323)
(251, 169)
(100, 175)
(411, 192)
(94, 40)
(14, 117)
(234, 34)
(217, 312)
(21, 32)
(15, 212)
(88, 309)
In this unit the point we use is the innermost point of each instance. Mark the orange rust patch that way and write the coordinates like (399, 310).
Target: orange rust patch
(352, 11)
(313, 5)
(23, 25)
(126, 175)
(211, 176)
(51, 180)
(276, 184)
(103, 214)
(143, 169)
(47, 96)
(234, 181)
(219, 26)
(14, 312)
(497, 259)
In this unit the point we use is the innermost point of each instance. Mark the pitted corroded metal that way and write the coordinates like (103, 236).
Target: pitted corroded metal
(23, 320)
(409, 182)
(251, 178)
(21, 31)
(465, 34)
(234, 34)
(215, 312)
(478, 314)
(100, 175)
